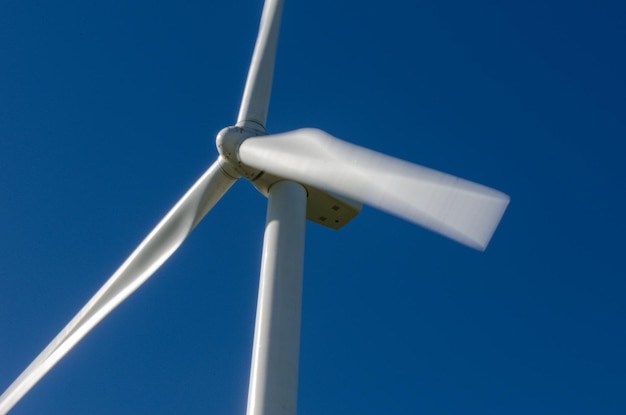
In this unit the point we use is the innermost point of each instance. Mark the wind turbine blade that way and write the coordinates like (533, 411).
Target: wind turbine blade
(157, 247)
(459, 209)
(256, 95)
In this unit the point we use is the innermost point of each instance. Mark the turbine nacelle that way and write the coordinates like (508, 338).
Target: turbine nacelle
(323, 208)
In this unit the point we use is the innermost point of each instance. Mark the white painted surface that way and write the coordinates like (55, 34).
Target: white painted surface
(274, 372)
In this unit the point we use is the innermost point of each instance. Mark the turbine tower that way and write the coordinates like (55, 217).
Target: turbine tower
(306, 174)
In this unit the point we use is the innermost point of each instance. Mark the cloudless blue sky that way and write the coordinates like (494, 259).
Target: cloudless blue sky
(109, 111)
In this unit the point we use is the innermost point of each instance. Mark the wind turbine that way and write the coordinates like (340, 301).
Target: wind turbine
(306, 174)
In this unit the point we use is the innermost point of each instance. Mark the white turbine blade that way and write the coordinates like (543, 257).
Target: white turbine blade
(164, 239)
(459, 209)
(256, 95)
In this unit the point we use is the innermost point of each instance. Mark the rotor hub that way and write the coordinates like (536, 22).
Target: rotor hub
(227, 142)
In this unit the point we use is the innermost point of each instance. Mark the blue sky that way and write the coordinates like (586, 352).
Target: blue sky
(108, 113)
